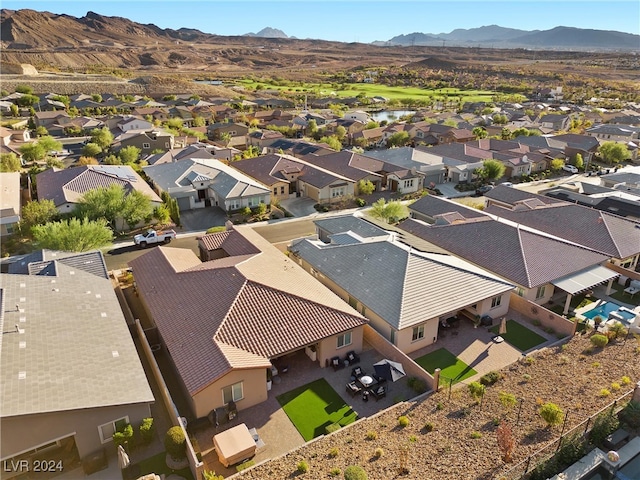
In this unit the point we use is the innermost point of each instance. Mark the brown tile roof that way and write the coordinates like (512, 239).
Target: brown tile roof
(230, 241)
(235, 312)
(511, 196)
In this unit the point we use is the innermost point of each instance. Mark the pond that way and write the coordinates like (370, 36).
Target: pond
(390, 115)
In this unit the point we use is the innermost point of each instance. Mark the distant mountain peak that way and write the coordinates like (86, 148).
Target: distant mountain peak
(268, 32)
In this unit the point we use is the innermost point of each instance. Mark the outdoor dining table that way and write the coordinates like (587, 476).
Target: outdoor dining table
(366, 381)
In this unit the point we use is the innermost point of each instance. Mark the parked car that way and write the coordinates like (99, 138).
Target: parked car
(153, 236)
(483, 189)
(570, 168)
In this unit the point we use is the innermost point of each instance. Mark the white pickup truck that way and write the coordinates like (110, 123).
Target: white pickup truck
(154, 236)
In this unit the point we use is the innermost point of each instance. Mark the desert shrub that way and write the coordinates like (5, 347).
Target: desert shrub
(333, 453)
(490, 378)
(604, 392)
(475, 435)
(599, 340)
(615, 386)
(334, 472)
(175, 443)
(603, 426)
(378, 452)
(361, 202)
(630, 414)
(476, 390)
(303, 467)
(403, 421)
(147, 430)
(371, 435)
(551, 413)
(617, 330)
(526, 377)
(625, 380)
(334, 427)
(439, 406)
(355, 472)
(211, 475)
(428, 427)
(508, 400)
(122, 436)
(245, 465)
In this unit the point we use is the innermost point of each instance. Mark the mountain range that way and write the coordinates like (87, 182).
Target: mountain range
(268, 32)
(558, 38)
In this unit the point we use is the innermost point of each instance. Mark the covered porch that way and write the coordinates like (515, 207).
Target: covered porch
(583, 281)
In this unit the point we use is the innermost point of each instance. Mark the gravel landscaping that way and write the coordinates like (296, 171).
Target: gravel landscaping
(452, 436)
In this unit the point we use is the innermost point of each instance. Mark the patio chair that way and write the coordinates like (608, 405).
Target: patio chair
(353, 389)
(357, 372)
(379, 380)
(352, 357)
(336, 363)
(379, 392)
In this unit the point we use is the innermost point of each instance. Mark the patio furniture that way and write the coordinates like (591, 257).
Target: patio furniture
(379, 380)
(352, 358)
(357, 372)
(256, 438)
(365, 396)
(379, 392)
(366, 381)
(336, 363)
(234, 445)
(353, 389)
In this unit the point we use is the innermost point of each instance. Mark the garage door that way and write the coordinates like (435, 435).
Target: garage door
(183, 203)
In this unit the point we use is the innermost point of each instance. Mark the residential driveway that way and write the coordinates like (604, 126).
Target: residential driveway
(448, 191)
(202, 218)
(299, 206)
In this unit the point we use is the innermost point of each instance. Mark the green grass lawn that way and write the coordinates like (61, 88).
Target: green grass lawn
(157, 465)
(619, 295)
(315, 405)
(519, 336)
(450, 366)
(374, 89)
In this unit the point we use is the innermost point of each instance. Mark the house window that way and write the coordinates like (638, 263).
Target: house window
(234, 205)
(496, 301)
(344, 340)
(251, 202)
(281, 190)
(107, 430)
(232, 133)
(392, 336)
(232, 393)
(166, 144)
(418, 333)
(540, 292)
(520, 291)
(408, 183)
(353, 303)
(337, 192)
(275, 190)
(146, 146)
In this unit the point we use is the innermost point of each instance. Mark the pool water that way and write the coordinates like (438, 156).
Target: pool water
(603, 310)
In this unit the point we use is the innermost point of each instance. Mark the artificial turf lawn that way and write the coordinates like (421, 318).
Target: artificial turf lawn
(451, 367)
(315, 405)
(519, 336)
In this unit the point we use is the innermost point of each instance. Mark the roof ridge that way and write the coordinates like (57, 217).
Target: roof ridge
(230, 309)
(611, 236)
(524, 257)
(410, 256)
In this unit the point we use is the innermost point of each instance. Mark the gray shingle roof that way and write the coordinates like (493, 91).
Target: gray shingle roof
(402, 286)
(346, 223)
(74, 349)
(90, 262)
(510, 196)
(523, 257)
(594, 229)
(430, 206)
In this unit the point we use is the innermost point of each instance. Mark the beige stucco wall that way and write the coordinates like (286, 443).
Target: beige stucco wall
(530, 294)
(484, 307)
(328, 347)
(25, 432)
(547, 318)
(254, 386)
(404, 340)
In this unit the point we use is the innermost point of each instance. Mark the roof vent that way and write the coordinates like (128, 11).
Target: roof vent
(103, 314)
(88, 292)
(72, 272)
(115, 353)
(23, 299)
(98, 295)
(22, 344)
(22, 375)
(23, 319)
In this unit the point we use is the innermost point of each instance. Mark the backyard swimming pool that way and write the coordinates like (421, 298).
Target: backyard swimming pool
(603, 310)
(630, 471)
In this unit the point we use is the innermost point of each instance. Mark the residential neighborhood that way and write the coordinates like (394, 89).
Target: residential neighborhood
(329, 285)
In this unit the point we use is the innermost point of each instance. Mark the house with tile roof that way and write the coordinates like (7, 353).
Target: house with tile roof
(405, 293)
(145, 140)
(203, 183)
(69, 369)
(10, 202)
(603, 232)
(225, 321)
(67, 186)
(536, 263)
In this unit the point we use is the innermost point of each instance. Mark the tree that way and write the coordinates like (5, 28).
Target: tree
(333, 142)
(162, 214)
(556, 164)
(479, 132)
(32, 152)
(225, 138)
(25, 89)
(129, 154)
(341, 132)
(551, 414)
(53, 162)
(199, 122)
(96, 97)
(371, 124)
(492, 169)
(506, 441)
(15, 111)
(102, 137)
(505, 134)
(37, 213)
(112, 203)
(398, 139)
(136, 208)
(91, 150)
(9, 162)
(366, 187)
(251, 152)
(612, 152)
(73, 235)
(27, 100)
(450, 122)
(391, 212)
(83, 161)
(49, 144)
(578, 161)
(312, 127)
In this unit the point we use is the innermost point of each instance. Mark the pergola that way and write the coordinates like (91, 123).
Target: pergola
(584, 280)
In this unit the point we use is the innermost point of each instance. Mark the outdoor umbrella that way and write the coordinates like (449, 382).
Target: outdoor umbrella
(123, 458)
(503, 326)
(389, 369)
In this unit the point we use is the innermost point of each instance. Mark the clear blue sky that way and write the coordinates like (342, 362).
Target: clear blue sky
(355, 20)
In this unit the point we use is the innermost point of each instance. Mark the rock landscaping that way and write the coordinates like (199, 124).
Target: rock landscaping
(452, 435)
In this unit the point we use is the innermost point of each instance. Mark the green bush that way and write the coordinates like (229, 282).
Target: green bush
(334, 452)
(211, 475)
(371, 435)
(333, 427)
(428, 427)
(490, 378)
(378, 452)
(355, 472)
(303, 467)
(476, 390)
(147, 430)
(508, 400)
(245, 465)
(175, 443)
(123, 436)
(551, 413)
(630, 414)
(334, 472)
(361, 202)
(603, 426)
(403, 421)
(216, 229)
(599, 340)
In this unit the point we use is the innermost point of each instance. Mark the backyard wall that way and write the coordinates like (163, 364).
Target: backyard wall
(623, 271)
(195, 465)
(547, 318)
(390, 352)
